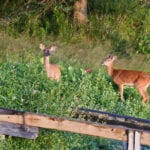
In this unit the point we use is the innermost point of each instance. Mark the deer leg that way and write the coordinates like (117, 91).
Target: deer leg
(145, 97)
(121, 91)
(144, 94)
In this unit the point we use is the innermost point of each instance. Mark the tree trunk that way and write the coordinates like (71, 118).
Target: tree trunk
(80, 11)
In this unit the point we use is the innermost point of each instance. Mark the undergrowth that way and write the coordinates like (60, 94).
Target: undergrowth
(121, 26)
(24, 86)
(124, 23)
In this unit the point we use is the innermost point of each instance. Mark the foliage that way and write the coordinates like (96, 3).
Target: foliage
(143, 44)
(129, 20)
(24, 86)
(23, 82)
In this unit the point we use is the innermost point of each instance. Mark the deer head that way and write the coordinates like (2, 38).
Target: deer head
(47, 51)
(108, 60)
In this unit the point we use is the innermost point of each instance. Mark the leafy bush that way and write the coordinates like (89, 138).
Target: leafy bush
(143, 44)
(24, 86)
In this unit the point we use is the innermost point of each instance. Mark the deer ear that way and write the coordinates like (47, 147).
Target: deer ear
(53, 48)
(42, 46)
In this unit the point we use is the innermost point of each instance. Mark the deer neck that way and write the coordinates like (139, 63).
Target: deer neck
(46, 63)
(110, 69)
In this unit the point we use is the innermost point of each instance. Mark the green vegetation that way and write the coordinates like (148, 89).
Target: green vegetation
(125, 23)
(115, 26)
(24, 86)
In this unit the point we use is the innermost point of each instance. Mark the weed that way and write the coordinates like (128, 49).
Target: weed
(24, 86)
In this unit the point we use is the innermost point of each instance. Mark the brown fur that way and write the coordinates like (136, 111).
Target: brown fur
(52, 70)
(139, 79)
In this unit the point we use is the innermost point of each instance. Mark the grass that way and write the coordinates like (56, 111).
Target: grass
(23, 82)
(24, 86)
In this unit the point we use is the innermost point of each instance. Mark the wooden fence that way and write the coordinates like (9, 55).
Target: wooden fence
(134, 131)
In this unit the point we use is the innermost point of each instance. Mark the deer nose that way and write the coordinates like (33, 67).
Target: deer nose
(47, 52)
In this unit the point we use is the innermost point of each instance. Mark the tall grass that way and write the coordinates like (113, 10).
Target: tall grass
(123, 22)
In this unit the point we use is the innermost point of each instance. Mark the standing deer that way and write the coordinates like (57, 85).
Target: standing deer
(139, 79)
(52, 70)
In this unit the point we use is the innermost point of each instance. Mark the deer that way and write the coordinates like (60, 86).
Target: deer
(139, 79)
(52, 70)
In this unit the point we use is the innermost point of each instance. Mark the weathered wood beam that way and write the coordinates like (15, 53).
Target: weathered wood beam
(44, 121)
(10, 111)
(127, 122)
(71, 125)
(18, 130)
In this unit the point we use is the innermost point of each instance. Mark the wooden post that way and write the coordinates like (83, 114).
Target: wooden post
(137, 140)
(131, 140)
(18, 130)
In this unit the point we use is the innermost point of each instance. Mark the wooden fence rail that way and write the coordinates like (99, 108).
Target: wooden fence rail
(134, 127)
(96, 123)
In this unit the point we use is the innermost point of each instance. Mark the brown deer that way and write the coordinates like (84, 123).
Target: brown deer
(52, 70)
(139, 79)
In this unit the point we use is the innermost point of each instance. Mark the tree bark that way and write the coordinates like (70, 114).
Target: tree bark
(80, 11)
